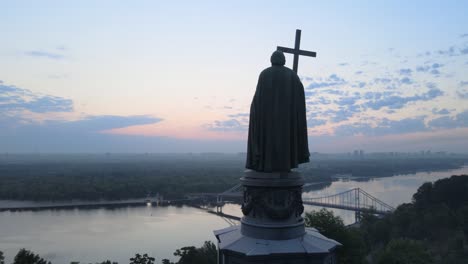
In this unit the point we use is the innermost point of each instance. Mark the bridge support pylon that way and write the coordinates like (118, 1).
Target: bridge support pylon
(357, 216)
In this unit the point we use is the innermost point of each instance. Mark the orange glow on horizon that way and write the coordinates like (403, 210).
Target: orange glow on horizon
(180, 131)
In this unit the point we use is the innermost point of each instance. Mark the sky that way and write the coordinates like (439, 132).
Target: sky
(179, 76)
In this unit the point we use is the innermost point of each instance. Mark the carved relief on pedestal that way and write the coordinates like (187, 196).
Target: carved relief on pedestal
(273, 203)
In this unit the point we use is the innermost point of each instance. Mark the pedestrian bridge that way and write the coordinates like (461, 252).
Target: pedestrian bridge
(356, 200)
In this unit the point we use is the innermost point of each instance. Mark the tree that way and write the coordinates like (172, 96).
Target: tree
(404, 251)
(207, 254)
(139, 259)
(2, 258)
(462, 218)
(325, 222)
(28, 257)
(108, 262)
(331, 226)
(422, 197)
(375, 230)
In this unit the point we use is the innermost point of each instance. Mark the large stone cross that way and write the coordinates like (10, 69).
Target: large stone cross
(296, 51)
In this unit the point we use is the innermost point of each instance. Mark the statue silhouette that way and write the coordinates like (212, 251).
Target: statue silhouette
(278, 127)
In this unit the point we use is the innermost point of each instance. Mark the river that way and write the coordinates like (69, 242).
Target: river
(95, 235)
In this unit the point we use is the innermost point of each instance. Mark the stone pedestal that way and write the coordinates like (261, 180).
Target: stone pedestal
(272, 229)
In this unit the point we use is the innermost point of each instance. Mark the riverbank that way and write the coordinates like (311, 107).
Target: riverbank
(124, 178)
(32, 206)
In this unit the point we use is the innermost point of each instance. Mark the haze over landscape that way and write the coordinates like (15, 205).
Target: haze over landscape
(105, 76)
(171, 132)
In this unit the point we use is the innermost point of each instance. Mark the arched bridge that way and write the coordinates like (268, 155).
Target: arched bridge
(356, 200)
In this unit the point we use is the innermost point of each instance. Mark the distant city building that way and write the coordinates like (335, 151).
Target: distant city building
(358, 154)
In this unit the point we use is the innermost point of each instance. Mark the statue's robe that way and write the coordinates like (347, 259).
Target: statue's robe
(278, 126)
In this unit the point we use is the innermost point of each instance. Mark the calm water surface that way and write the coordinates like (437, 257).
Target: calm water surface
(393, 190)
(95, 235)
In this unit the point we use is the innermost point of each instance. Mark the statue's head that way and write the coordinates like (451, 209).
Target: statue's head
(277, 58)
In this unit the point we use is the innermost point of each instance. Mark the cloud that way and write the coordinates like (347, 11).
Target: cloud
(87, 124)
(433, 69)
(454, 51)
(342, 114)
(460, 120)
(101, 123)
(443, 111)
(332, 80)
(42, 139)
(358, 72)
(382, 80)
(443, 122)
(44, 54)
(424, 54)
(448, 52)
(463, 94)
(352, 129)
(431, 85)
(422, 68)
(347, 107)
(20, 133)
(406, 72)
(406, 125)
(343, 64)
(463, 118)
(319, 100)
(398, 102)
(14, 99)
(84, 135)
(229, 125)
(323, 100)
(384, 127)
(309, 94)
(464, 35)
(313, 122)
(435, 72)
(333, 91)
(406, 80)
(239, 115)
(377, 95)
(348, 100)
(335, 78)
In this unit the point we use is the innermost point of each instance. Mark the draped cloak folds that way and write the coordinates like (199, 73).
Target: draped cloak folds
(277, 139)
